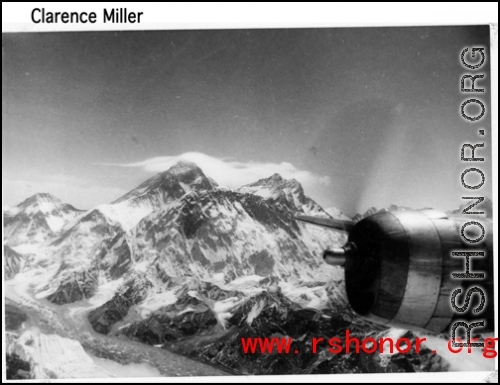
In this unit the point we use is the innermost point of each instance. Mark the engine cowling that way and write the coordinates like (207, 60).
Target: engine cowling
(398, 269)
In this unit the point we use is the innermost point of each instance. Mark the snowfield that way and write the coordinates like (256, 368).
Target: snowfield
(171, 263)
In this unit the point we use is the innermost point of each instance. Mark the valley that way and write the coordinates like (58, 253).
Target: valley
(174, 273)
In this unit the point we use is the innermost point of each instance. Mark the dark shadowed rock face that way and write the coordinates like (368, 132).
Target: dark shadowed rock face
(16, 368)
(187, 231)
(94, 243)
(188, 316)
(270, 314)
(190, 228)
(209, 291)
(263, 262)
(114, 256)
(80, 285)
(169, 185)
(424, 361)
(13, 262)
(104, 317)
(14, 317)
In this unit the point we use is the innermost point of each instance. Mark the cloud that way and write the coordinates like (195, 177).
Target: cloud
(231, 173)
(85, 194)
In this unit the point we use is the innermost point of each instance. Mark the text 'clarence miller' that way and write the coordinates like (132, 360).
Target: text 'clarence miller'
(115, 15)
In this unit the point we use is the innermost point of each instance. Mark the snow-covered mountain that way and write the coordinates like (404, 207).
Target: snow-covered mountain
(485, 206)
(212, 231)
(278, 189)
(337, 214)
(179, 257)
(179, 223)
(374, 210)
(13, 262)
(156, 192)
(37, 219)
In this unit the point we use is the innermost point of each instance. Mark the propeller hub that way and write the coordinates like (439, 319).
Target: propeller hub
(335, 257)
(338, 255)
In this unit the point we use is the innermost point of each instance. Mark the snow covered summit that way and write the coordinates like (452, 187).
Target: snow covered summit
(36, 219)
(156, 192)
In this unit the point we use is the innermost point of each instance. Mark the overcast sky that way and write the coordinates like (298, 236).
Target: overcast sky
(361, 116)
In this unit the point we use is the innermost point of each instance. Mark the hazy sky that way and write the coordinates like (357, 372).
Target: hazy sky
(361, 116)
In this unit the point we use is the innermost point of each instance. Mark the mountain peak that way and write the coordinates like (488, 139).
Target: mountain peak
(37, 218)
(182, 167)
(39, 198)
(277, 181)
(186, 173)
(277, 187)
(182, 177)
(276, 178)
(44, 203)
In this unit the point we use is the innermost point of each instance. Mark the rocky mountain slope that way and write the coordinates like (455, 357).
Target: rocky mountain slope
(187, 266)
(374, 210)
(486, 206)
(13, 262)
(37, 219)
(184, 225)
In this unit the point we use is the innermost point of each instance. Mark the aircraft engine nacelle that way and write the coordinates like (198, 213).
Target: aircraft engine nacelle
(398, 268)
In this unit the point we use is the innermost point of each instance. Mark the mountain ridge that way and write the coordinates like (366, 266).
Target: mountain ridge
(179, 222)
(184, 265)
(37, 219)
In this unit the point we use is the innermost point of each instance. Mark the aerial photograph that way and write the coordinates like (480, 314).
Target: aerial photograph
(227, 202)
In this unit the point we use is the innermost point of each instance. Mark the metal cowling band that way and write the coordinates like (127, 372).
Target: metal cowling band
(425, 269)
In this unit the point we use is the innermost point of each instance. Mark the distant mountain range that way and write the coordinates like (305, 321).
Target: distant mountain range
(37, 219)
(193, 267)
(485, 206)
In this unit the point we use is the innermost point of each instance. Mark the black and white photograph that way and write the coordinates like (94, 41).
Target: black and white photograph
(207, 202)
